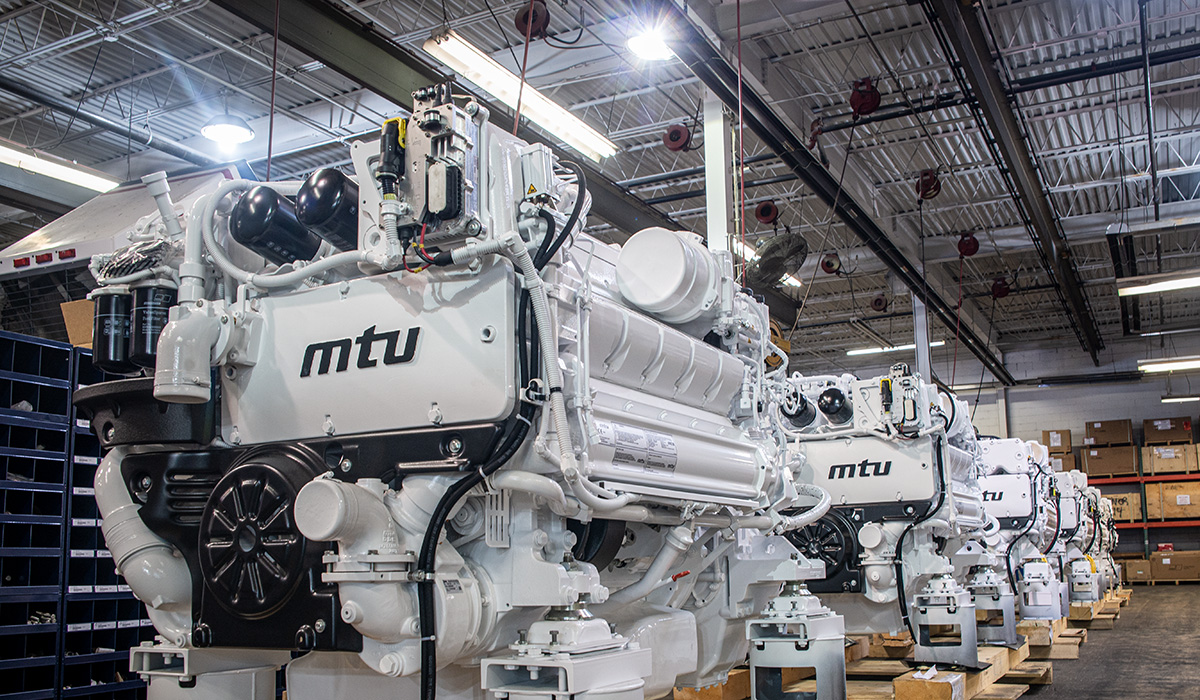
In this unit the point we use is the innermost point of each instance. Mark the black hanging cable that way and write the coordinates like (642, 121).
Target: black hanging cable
(1012, 581)
(87, 85)
(572, 220)
(902, 596)
(528, 352)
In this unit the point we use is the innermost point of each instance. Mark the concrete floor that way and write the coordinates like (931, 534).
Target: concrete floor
(1151, 653)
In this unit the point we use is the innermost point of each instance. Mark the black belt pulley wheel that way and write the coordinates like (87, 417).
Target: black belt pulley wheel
(251, 553)
(832, 539)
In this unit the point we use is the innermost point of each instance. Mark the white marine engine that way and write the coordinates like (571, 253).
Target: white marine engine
(1022, 493)
(1087, 565)
(415, 426)
(898, 458)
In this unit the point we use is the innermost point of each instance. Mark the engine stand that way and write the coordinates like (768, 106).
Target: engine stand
(796, 631)
(568, 653)
(1042, 593)
(182, 673)
(944, 602)
(1084, 581)
(991, 593)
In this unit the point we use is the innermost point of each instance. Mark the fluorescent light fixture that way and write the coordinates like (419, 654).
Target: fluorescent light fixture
(227, 130)
(29, 160)
(496, 80)
(1170, 364)
(1157, 284)
(1180, 398)
(650, 46)
(892, 348)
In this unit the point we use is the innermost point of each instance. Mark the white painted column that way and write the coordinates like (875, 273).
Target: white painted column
(718, 172)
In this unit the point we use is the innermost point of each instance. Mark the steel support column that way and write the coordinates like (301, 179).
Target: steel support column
(966, 36)
(714, 70)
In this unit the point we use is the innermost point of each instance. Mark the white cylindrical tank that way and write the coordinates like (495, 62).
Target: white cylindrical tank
(668, 274)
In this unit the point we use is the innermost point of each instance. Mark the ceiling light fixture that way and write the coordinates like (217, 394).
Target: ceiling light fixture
(476, 66)
(891, 348)
(650, 45)
(1157, 284)
(43, 164)
(1170, 364)
(227, 130)
(1180, 398)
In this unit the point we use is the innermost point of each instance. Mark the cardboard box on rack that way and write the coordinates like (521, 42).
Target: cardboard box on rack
(1175, 566)
(1158, 431)
(1110, 461)
(1173, 459)
(1137, 570)
(1057, 441)
(1109, 432)
(1126, 506)
(1064, 462)
(1173, 500)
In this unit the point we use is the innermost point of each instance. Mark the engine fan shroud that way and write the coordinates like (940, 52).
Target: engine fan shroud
(251, 553)
(834, 540)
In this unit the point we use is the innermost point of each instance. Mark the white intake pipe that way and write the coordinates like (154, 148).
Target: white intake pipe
(155, 573)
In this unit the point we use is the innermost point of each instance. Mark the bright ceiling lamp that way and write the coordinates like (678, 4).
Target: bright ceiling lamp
(227, 130)
(496, 80)
(1157, 284)
(30, 161)
(1180, 398)
(891, 348)
(649, 45)
(1170, 364)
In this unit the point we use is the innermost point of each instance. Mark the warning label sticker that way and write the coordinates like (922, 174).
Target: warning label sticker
(638, 447)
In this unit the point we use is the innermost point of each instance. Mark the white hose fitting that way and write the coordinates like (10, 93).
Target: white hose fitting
(678, 540)
(328, 510)
(183, 373)
(157, 577)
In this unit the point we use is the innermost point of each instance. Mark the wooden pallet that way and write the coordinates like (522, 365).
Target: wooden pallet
(1030, 673)
(1102, 621)
(1041, 633)
(1051, 639)
(1008, 677)
(974, 685)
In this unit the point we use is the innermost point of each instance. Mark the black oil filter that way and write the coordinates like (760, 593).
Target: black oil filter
(150, 308)
(110, 333)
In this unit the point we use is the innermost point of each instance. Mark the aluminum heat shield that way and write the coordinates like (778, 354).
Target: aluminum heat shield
(378, 353)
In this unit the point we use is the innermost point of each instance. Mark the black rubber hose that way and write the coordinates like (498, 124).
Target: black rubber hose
(1012, 581)
(1057, 516)
(529, 364)
(572, 220)
(551, 225)
(902, 593)
(437, 522)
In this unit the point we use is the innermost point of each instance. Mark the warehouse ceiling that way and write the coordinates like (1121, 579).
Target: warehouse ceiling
(1070, 72)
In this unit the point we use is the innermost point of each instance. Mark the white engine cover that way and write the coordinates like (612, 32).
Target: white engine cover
(1007, 496)
(450, 362)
